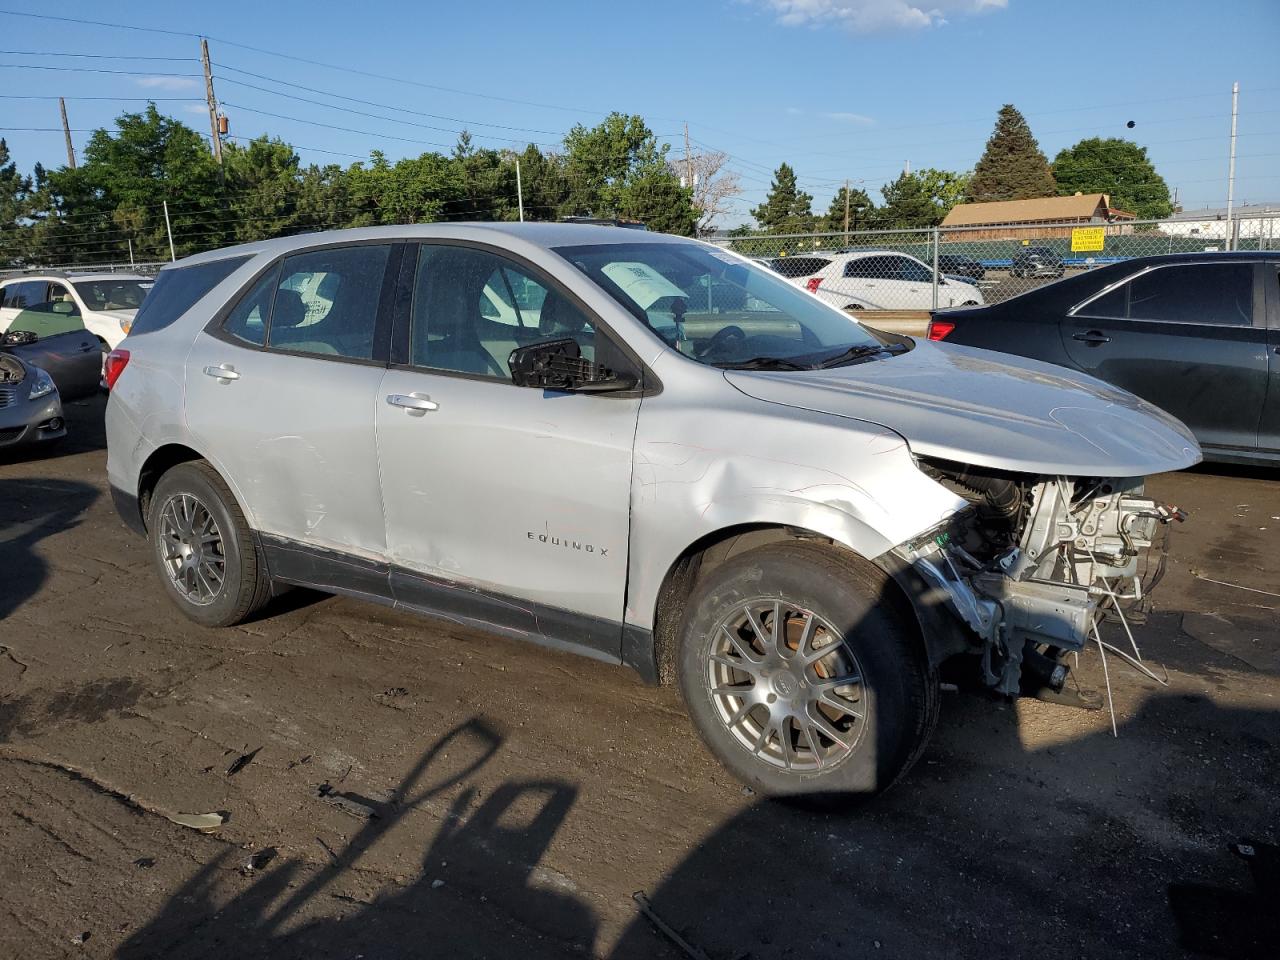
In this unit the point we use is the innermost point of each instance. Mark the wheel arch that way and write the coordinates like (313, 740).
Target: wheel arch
(712, 549)
(159, 462)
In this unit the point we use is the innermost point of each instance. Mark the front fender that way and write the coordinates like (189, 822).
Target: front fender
(699, 471)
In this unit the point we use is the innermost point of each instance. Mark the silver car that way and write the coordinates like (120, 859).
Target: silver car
(644, 449)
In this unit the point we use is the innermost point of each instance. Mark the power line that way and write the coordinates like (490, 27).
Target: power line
(361, 113)
(123, 73)
(297, 59)
(92, 56)
(367, 103)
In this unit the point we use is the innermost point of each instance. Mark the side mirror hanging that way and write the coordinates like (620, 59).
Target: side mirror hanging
(559, 365)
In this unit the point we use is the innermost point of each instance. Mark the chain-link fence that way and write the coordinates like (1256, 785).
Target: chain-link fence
(941, 267)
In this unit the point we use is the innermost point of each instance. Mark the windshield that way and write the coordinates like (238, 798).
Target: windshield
(113, 294)
(719, 310)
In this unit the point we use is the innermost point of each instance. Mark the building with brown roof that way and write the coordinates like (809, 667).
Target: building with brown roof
(1008, 219)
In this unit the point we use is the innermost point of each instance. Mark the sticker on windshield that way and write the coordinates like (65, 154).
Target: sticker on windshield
(725, 257)
(641, 282)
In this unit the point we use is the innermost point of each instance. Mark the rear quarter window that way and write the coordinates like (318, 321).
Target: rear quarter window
(177, 290)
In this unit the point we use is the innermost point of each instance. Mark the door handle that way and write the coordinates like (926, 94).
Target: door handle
(223, 371)
(412, 403)
(1093, 337)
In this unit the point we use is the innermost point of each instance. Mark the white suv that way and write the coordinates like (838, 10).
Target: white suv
(875, 280)
(104, 302)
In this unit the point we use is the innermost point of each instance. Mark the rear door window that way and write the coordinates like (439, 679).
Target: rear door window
(795, 267)
(326, 302)
(19, 296)
(1216, 294)
(248, 319)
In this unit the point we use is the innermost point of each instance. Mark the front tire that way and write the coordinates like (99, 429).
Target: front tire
(804, 674)
(203, 549)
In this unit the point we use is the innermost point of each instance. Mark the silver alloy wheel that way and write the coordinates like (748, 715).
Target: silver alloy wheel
(786, 685)
(191, 549)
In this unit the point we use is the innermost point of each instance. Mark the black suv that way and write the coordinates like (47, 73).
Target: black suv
(1038, 262)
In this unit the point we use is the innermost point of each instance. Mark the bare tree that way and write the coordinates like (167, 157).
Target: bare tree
(713, 186)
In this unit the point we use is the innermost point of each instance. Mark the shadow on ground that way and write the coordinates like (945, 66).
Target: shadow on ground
(1044, 867)
(493, 846)
(30, 511)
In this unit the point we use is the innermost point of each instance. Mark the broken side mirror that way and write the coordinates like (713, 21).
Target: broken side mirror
(559, 365)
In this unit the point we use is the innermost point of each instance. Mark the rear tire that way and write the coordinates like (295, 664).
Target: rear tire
(203, 549)
(787, 727)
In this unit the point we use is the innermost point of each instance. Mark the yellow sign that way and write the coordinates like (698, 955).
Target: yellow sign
(1084, 239)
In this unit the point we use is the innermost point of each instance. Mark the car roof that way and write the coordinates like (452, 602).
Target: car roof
(55, 275)
(547, 235)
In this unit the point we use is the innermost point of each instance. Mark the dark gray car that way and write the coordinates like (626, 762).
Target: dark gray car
(30, 408)
(1196, 334)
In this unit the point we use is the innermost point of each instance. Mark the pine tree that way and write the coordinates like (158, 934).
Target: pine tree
(907, 204)
(861, 211)
(1012, 167)
(786, 209)
(14, 207)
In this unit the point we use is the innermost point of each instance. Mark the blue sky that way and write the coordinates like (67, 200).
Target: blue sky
(837, 88)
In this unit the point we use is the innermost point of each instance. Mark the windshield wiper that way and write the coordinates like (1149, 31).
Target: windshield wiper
(858, 352)
(763, 363)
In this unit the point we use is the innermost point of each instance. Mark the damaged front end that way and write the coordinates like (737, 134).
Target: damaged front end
(1034, 564)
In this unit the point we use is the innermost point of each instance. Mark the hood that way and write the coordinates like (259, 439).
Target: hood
(992, 410)
(119, 314)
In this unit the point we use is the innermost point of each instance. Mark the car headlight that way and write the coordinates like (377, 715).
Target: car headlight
(43, 385)
(126, 324)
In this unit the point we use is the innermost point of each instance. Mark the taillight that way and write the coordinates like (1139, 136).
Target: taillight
(117, 360)
(813, 284)
(940, 329)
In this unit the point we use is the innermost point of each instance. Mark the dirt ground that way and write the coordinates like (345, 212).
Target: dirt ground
(487, 798)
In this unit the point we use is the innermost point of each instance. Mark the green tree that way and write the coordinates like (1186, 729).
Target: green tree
(786, 208)
(618, 169)
(149, 159)
(861, 210)
(907, 204)
(543, 183)
(15, 209)
(1118, 168)
(1012, 167)
(945, 188)
(413, 190)
(487, 180)
(262, 187)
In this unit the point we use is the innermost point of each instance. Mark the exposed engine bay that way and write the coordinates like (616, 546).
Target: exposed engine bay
(11, 370)
(1035, 563)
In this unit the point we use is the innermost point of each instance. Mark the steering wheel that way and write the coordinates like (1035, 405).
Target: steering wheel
(720, 338)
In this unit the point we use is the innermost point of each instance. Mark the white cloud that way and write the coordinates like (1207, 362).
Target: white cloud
(168, 83)
(794, 111)
(865, 16)
(200, 108)
(859, 119)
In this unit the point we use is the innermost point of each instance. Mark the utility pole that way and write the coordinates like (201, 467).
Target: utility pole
(688, 159)
(216, 141)
(519, 191)
(1231, 167)
(66, 132)
(167, 229)
(846, 212)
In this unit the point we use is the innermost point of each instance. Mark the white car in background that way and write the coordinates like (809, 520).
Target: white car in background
(875, 280)
(105, 303)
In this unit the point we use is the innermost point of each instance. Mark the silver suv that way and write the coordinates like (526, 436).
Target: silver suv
(641, 448)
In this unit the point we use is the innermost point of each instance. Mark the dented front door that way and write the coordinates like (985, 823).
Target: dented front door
(508, 492)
